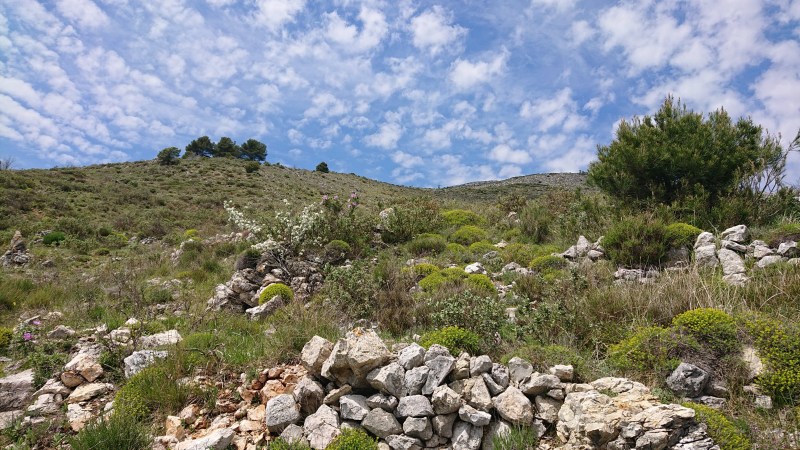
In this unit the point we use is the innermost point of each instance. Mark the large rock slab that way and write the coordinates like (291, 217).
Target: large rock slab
(739, 234)
(731, 262)
(16, 390)
(218, 439)
(314, 354)
(514, 406)
(322, 427)
(440, 366)
(86, 362)
(281, 412)
(688, 380)
(89, 391)
(138, 360)
(170, 337)
(381, 423)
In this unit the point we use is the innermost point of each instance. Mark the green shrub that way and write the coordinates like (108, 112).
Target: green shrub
(352, 289)
(547, 263)
(251, 166)
(46, 363)
(280, 444)
(5, 338)
(456, 339)
(649, 349)
(518, 438)
(410, 218)
(480, 283)
(720, 429)
(681, 234)
(461, 217)
(424, 269)
(711, 327)
(113, 433)
(637, 241)
(275, 289)
(353, 439)
(482, 314)
(248, 259)
(518, 253)
(53, 238)
(191, 233)
(156, 389)
(481, 248)
(779, 347)
(337, 250)
(468, 234)
(436, 280)
(427, 244)
(534, 222)
(457, 253)
(787, 231)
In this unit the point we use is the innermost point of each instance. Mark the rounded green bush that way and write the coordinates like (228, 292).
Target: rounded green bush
(779, 347)
(337, 250)
(424, 269)
(280, 444)
(275, 289)
(482, 248)
(53, 238)
(468, 234)
(5, 338)
(435, 280)
(547, 263)
(648, 349)
(427, 244)
(460, 217)
(456, 339)
(720, 429)
(710, 326)
(682, 234)
(480, 283)
(637, 241)
(251, 167)
(353, 439)
(191, 233)
(458, 253)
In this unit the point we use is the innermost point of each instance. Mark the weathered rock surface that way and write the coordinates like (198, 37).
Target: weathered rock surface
(16, 390)
(138, 360)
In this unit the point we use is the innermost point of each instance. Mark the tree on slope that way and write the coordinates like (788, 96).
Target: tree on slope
(202, 146)
(678, 154)
(226, 147)
(254, 150)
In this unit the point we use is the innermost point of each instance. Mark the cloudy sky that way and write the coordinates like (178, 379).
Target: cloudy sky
(414, 92)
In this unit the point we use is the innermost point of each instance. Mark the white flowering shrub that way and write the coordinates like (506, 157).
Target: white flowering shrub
(290, 232)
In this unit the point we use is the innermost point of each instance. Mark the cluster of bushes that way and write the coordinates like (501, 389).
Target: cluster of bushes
(643, 240)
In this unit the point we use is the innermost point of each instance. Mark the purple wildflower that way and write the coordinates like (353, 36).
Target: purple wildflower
(27, 336)
(37, 322)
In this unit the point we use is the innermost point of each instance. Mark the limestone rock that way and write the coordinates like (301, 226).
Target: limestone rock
(440, 367)
(411, 356)
(381, 423)
(538, 384)
(415, 379)
(739, 234)
(16, 390)
(86, 363)
(170, 337)
(418, 427)
(309, 395)
(314, 354)
(61, 332)
(466, 436)
(353, 407)
(443, 424)
(45, 405)
(731, 262)
(475, 268)
(389, 379)
(266, 309)
(734, 246)
(547, 408)
(500, 375)
(478, 394)
(138, 360)
(706, 256)
(322, 427)
(514, 406)
(414, 406)
(769, 260)
(218, 439)
(479, 364)
(293, 434)
(471, 415)
(445, 400)
(385, 402)
(563, 372)
(89, 391)
(688, 380)
(754, 365)
(402, 442)
(461, 367)
(703, 239)
(77, 416)
(519, 370)
(366, 351)
(281, 411)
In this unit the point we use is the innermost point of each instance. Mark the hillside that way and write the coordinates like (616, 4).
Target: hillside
(207, 325)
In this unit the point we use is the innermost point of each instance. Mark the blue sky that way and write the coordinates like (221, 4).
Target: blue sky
(419, 93)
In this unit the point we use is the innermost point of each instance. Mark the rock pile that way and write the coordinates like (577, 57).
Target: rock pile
(17, 253)
(415, 398)
(585, 249)
(735, 248)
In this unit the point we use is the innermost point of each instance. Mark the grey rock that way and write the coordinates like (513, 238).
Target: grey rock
(769, 260)
(446, 400)
(411, 356)
(440, 367)
(498, 429)
(519, 370)
(754, 365)
(281, 411)
(389, 379)
(16, 390)
(466, 436)
(547, 408)
(731, 262)
(436, 350)
(402, 442)
(415, 379)
(169, 337)
(500, 375)
(471, 415)
(365, 352)
(293, 434)
(763, 402)
(461, 367)
(322, 427)
(478, 395)
(514, 406)
(89, 391)
(333, 396)
(475, 268)
(61, 332)
(45, 405)
(703, 239)
(86, 362)
(712, 402)
(309, 395)
(266, 309)
(443, 424)
(479, 364)
(736, 279)
(414, 406)
(493, 387)
(734, 246)
(353, 407)
(538, 384)
(706, 256)
(381, 423)
(385, 402)
(696, 438)
(218, 439)
(688, 380)
(418, 427)
(563, 372)
(140, 359)
(739, 234)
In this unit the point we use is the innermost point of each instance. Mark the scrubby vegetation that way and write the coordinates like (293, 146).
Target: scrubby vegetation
(155, 241)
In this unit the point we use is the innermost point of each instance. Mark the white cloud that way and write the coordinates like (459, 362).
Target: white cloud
(575, 159)
(84, 12)
(325, 105)
(509, 171)
(433, 31)
(558, 111)
(406, 160)
(558, 5)
(581, 31)
(505, 154)
(465, 74)
(349, 38)
(274, 14)
(387, 136)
